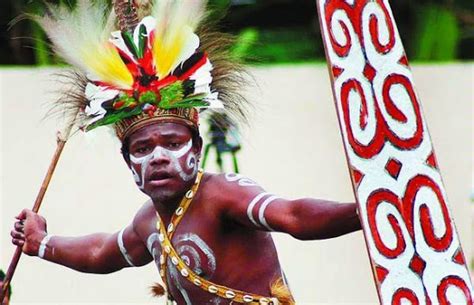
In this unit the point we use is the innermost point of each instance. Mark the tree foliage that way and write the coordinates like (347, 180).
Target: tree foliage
(275, 31)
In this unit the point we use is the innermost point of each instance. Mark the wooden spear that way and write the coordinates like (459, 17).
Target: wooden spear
(62, 138)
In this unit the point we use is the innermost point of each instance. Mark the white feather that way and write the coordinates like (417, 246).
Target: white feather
(70, 30)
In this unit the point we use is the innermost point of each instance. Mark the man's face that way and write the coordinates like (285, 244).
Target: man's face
(163, 160)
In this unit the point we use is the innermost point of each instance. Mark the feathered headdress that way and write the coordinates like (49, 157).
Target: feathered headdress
(154, 69)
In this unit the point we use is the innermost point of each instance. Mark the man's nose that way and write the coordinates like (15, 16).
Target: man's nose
(160, 156)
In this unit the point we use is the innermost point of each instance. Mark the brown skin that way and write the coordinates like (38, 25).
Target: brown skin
(245, 255)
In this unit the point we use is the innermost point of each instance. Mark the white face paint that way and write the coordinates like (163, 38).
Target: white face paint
(173, 156)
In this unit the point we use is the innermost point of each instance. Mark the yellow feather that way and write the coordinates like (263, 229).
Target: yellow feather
(174, 39)
(105, 62)
(81, 37)
(166, 53)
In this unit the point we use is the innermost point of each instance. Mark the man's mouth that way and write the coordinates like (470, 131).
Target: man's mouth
(159, 178)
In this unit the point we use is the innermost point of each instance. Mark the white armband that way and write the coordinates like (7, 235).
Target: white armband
(122, 248)
(43, 244)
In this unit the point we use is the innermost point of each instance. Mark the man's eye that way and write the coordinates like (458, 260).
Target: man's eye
(174, 145)
(142, 150)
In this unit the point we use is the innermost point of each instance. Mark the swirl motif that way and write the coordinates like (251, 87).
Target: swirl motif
(410, 202)
(196, 254)
(459, 283)
(405, 294)
(373, 203)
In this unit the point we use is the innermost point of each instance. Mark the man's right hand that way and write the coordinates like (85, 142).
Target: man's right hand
(28, 232)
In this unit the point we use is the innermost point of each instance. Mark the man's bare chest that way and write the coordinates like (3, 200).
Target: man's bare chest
(191, 240)
(195, 251)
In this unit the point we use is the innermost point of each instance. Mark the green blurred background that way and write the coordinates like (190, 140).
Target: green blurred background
(277, 31)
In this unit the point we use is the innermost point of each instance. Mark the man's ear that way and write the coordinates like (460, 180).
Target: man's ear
(127, 160)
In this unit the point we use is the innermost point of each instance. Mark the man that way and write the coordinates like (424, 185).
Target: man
(208, 234)
(6, 300)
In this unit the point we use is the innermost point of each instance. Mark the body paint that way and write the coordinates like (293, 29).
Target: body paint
(189, 246)
(122, 248)
(261, 212)
(241, 180)
(252, 205)
(173, 156)
(185, 242)
(261, 221)
(176, 279)
(149, 244)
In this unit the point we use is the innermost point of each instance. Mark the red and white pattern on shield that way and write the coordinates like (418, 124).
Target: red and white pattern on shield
(414, 248)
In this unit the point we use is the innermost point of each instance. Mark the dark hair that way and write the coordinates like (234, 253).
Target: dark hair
(2, 277)
(125, 150)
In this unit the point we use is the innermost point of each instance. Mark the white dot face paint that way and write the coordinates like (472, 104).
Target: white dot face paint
(141, 164)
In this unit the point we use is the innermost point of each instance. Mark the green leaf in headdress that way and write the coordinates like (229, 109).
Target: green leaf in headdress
(123, 101)
(137, 51)
(115, 117)
(148, 97)
(128, 39)
(192, 101)
(171, 94)
(142, 40)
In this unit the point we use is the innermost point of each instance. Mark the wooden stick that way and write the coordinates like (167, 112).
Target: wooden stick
(61, 142)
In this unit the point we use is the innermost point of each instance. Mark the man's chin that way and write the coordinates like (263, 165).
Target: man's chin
(158, 194)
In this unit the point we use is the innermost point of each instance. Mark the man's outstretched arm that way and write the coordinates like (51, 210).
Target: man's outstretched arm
(309, 219)
(95, 253)
(305, 219)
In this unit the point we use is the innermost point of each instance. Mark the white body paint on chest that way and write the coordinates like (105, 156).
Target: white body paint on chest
(172, 155)
(193, 251)
(189, 247)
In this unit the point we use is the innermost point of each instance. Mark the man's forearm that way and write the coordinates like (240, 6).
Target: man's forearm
(324, 219)
(83, 254)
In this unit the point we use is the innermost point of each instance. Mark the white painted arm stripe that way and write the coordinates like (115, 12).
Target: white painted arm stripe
(261, 212)
(43, 244)
(252, 205)
(123, 250)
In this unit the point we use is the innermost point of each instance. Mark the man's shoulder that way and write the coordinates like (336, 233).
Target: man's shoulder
(228, 181)
(145, 212)
(228, 186)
